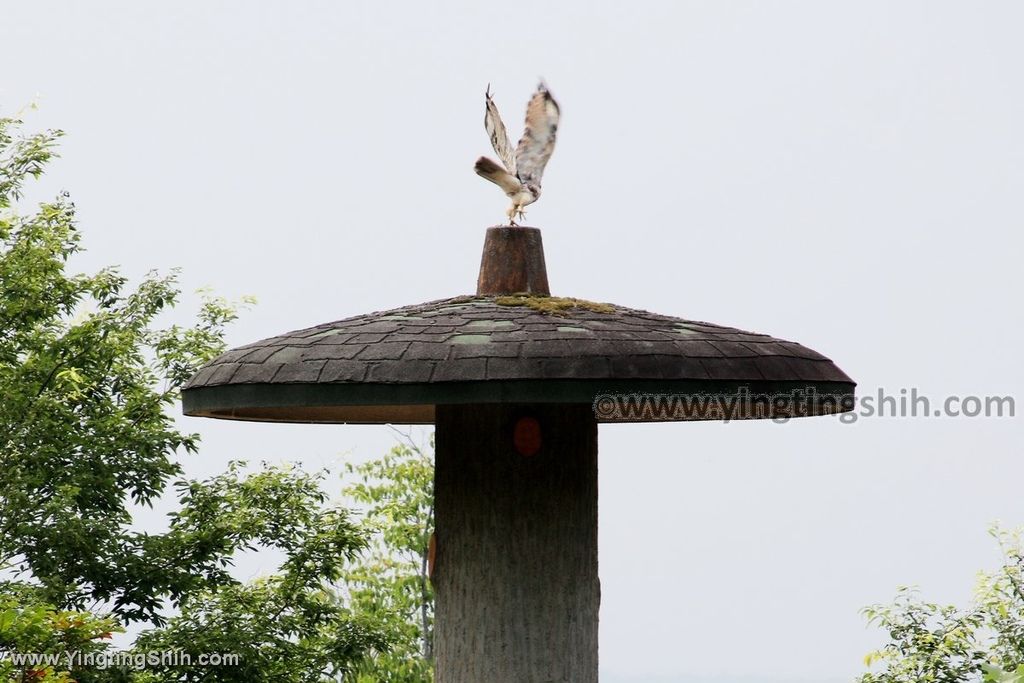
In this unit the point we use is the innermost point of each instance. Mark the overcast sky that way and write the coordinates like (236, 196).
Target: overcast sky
(846, 175)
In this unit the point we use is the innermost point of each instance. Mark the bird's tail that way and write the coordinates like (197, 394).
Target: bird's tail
(491, 170)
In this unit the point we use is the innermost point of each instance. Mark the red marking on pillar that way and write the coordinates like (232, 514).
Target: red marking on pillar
(526, 436)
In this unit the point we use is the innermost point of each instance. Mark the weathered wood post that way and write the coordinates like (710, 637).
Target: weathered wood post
(516, 382)
(516, 568)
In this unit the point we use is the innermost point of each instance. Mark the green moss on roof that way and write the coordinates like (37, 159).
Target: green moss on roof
(552, 305)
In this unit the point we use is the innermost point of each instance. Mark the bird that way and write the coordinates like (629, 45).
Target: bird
(520, 171)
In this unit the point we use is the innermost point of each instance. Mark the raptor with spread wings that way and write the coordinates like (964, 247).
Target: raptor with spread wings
(521, 169)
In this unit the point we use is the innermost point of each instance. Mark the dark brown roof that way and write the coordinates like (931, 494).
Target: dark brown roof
(490, 349)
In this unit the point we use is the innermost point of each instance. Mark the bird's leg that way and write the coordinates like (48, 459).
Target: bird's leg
(511, 213)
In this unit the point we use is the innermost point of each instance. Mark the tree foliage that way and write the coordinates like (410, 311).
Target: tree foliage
(28, 626)
(946, 644)
(285, 627)
(88, 377)
(390, 583)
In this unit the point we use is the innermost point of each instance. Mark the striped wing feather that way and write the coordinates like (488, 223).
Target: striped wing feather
(499, 137)
(538, 139)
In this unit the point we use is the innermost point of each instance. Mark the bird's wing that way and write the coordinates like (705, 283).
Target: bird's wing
(538, 140)
(487, 168)
(499, 137)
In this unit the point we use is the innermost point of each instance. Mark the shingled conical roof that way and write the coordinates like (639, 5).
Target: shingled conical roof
(396, 365)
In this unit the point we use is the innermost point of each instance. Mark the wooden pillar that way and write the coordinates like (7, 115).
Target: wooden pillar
(513, 263)
(515, 574)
